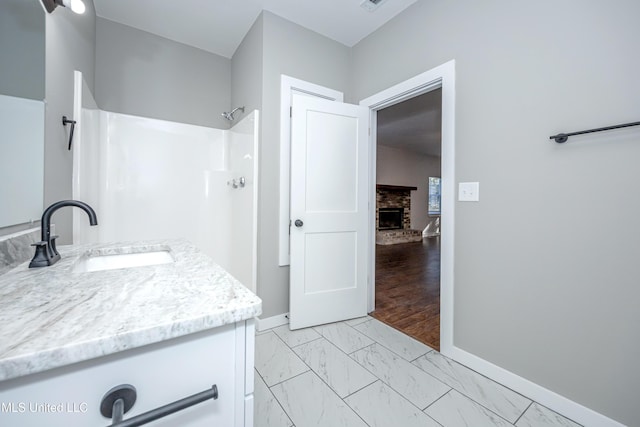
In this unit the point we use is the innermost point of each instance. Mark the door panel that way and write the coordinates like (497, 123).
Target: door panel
(337, 271)
(331, 183)
(329, 198)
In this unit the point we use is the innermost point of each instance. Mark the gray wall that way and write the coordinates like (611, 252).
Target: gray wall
(297, 52)
(146, 75)
(70, 45)
(542, 288)
(246, 71)
(22, 48)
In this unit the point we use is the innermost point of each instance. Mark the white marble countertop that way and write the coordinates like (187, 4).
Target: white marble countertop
(53, 316)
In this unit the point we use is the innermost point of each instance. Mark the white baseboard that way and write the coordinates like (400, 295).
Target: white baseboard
(533, 391)
(272, 322)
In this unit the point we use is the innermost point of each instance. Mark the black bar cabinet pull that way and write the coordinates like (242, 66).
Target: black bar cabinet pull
(563, 137)
(120, 399)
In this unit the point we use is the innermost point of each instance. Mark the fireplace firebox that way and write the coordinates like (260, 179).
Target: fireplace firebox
(390, 218)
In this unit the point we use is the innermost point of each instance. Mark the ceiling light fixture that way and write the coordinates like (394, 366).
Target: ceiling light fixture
(371, 5)
(76, 6)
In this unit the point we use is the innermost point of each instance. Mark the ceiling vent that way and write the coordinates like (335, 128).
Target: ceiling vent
(371, 5)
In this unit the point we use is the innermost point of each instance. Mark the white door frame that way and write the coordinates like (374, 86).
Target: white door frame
(288, 86)
(443, 77)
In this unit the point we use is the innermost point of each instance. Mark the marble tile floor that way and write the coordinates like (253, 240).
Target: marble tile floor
(363, 373)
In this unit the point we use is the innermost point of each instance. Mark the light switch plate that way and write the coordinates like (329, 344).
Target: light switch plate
(469, 191)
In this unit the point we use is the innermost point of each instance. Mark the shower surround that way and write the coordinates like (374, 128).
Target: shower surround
(154, 179)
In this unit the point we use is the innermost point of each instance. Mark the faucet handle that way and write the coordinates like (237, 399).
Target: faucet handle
(41, 257)
(46, 254)
(39, 244)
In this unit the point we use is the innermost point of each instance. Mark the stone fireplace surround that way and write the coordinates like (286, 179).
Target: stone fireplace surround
(395, 196)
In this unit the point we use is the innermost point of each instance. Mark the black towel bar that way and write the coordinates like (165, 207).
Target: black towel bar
(562, 137)
(65, 122)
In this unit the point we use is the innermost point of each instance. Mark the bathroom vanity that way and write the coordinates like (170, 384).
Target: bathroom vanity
(159, 316)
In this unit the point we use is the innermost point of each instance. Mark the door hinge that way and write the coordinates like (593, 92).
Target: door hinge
(290, 111)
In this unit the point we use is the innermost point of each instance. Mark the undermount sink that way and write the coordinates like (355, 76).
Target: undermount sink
(99, 262)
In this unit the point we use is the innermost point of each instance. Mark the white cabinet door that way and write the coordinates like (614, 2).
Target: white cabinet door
(329, 203)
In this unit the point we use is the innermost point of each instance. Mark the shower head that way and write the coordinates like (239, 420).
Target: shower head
(229, 114)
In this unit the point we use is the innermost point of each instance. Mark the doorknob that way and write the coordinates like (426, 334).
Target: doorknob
(298, 223)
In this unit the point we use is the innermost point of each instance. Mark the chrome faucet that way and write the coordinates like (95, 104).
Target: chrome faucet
(46, 252)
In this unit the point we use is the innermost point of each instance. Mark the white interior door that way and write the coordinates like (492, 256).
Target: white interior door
(329, 208)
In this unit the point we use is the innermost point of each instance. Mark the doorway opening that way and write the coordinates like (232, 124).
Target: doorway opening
(441, 77)
(407, 249)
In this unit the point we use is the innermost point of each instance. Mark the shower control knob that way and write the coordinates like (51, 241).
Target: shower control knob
(298, 223)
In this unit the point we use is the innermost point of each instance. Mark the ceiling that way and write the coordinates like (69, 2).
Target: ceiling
(414, 124)
(219, 26)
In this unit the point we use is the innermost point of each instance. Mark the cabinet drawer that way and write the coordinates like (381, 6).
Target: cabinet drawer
(162, 373)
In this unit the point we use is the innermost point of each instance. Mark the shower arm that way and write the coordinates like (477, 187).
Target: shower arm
(229, 114)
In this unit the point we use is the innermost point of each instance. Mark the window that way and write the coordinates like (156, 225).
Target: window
(434, 195)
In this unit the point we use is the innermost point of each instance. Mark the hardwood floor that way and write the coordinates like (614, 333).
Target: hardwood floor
(408, 289)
